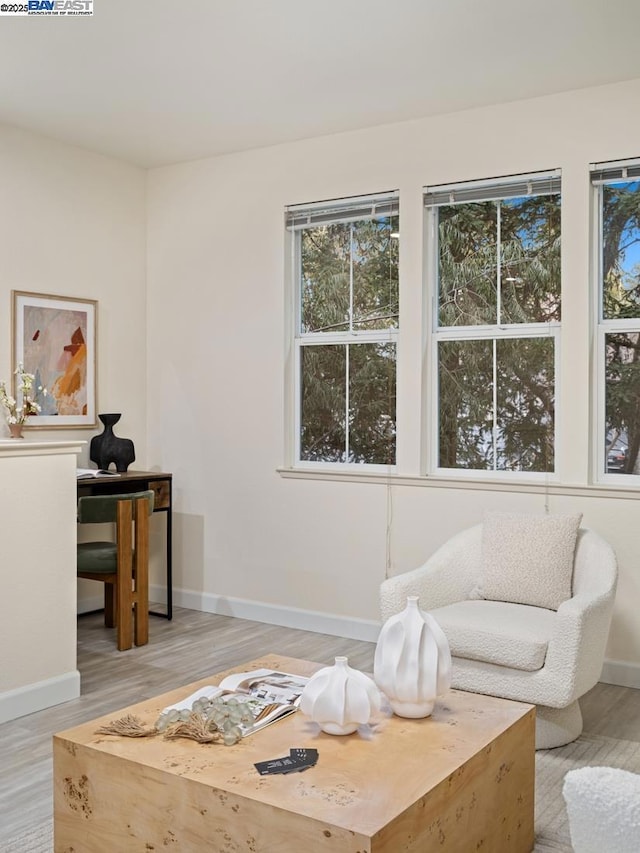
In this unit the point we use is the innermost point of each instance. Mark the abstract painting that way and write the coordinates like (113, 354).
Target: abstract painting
(54, 338)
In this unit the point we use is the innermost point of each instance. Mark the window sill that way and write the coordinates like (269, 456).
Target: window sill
(484, 485)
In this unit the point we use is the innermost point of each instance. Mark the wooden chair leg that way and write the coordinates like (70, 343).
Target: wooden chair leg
(141, 574)
(124, 593)
(109, 605)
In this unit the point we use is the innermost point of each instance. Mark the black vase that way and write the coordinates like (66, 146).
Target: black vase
(107, 447)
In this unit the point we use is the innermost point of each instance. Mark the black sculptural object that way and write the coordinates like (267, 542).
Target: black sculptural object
(107, 447)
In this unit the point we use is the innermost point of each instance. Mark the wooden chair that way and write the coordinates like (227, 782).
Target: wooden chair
(122, 565)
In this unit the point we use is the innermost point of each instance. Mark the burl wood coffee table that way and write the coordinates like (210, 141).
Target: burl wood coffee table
(461, 780)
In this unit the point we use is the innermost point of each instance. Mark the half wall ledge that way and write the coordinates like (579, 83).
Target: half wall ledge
(38, 574)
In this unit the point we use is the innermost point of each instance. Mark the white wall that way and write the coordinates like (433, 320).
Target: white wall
(38, 624)
(72, 223)
(248, 538)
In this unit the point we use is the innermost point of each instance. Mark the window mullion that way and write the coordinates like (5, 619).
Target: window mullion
(373, 336)
(514, 330)
(351, 278)
(346, 404)
(495, 404)
(297, 398)
(498, 263)
(346, 384)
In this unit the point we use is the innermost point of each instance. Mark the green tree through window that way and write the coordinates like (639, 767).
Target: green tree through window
(346, 271)
(620, 320)
(498, 314)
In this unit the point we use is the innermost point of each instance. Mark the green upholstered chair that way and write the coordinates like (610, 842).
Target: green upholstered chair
(121, 564)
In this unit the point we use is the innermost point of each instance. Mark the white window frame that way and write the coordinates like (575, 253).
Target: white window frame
(297, 218)
(603, 174)
(464, 192)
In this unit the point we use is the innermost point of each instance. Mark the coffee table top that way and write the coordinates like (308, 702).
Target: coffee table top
(361, 781)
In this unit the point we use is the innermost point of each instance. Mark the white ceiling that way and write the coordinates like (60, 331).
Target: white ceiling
(162, 81)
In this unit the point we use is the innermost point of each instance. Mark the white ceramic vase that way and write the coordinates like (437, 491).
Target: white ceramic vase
(339, 698)
(412, 664)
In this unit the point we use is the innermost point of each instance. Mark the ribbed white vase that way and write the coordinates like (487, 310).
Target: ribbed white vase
(339, 698)
(412, 664)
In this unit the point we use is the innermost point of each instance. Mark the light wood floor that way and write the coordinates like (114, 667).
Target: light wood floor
(190, 647)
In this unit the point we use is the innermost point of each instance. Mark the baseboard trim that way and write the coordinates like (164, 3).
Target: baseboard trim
(38, 696)
(621, 673)
(271, 614)
(89, 605)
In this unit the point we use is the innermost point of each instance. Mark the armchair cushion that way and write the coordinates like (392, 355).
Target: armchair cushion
(527, 559)
(512, 635)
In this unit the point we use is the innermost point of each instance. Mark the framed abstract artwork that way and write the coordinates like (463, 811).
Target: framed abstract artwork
(54, 338)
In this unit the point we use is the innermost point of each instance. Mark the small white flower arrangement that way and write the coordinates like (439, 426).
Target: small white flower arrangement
(14, 413)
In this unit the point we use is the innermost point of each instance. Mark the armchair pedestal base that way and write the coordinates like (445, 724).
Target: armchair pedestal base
(557, 726)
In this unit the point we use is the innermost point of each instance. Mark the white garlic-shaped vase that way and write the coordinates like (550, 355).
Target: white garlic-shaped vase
(412, 664)
(339, 698)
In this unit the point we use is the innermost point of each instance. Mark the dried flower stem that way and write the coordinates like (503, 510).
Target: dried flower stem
(129, 726)
(195, 728)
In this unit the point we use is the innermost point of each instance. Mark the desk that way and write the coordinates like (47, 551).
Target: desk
(139, 481)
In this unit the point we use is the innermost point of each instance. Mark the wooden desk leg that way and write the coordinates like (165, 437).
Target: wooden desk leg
(169, 555)
(167, 510)
(141, 598)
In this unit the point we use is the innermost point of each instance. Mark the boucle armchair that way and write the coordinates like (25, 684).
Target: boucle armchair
(531, 654)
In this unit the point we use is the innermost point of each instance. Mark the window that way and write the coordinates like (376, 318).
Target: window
(617, 193)
(345, 270)
(493, 251)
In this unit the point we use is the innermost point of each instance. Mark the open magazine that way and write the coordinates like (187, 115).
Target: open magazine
(271, 695)
(90, 473)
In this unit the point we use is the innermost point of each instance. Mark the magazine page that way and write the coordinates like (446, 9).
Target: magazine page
(267, 684)
(270, 694)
